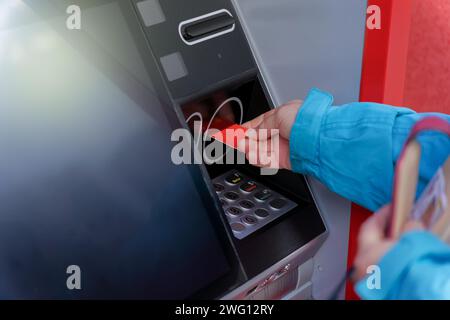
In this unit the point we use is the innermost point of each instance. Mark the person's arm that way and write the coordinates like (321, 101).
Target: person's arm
(417, 267)
(353, 148)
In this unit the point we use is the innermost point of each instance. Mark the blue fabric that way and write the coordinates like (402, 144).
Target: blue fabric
(353, 150)
(418, 267)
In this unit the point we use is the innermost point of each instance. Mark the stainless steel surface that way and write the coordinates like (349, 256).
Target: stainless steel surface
(300, 44)
(295, 259)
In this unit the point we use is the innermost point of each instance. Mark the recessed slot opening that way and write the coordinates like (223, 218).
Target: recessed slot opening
(206, 27)
(219, 110)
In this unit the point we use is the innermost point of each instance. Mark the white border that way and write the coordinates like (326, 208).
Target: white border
(191, 43)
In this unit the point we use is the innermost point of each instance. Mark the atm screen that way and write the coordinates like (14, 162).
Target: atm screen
(91, 205)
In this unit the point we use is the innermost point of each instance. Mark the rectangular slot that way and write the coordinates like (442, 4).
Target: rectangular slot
(206, 27)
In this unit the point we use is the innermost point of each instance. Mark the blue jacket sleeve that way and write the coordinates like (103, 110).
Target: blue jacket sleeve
(418, 267)
(353, 148)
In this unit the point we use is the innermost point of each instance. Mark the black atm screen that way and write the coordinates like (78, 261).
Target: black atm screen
(87, 182)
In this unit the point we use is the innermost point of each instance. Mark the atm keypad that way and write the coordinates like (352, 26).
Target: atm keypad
(233, 211)
(249, 186)
(262, 213)
(234, 178)
(232, 196)
(248, 204)
(218, 187)
(278, 204)
(250, 220)
(263, 195)
(237, 227)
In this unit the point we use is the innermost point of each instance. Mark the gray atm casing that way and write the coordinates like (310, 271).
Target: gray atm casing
(217, 64)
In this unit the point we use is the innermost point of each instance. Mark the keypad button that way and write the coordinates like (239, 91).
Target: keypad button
(230, 195)
(251, 220)
(218, 187)
(278, 204)
(263, 195)
(249, 186)
(262, 213)
(238, 227)
(234, 211)
(246, 204)
(234, 178)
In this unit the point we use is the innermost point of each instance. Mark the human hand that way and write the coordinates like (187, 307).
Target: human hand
(281, 119)
(373, 242)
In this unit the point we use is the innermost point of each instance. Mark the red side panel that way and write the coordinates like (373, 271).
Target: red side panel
(383, 78)
(427, 80)
(375, 55)
(406, 63)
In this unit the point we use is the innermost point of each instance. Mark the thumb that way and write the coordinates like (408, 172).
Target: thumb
(260, 120)
(267, 121)
(413, 225)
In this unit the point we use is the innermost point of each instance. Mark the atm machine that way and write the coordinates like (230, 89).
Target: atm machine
(176, 59)
(205, 61)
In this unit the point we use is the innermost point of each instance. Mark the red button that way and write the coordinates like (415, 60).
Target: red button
(249, 186)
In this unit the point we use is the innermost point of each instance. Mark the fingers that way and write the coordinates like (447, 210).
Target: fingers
(374, 229)
(274, 125)
(379, 221)
(258, 152)
(370, 257)
(373, 243)
(262, 127)
(255, 123)
(260, 155)
(280, 120)
(413, 225)
(383, 218)
(272, 153)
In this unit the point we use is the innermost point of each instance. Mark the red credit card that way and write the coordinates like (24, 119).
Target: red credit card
(231, 135)
(218, 123)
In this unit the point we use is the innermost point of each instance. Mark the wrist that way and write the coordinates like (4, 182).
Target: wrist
(304, 139)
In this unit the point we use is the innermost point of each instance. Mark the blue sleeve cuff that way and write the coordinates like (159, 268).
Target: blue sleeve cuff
(396, 263)
(304, 140)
